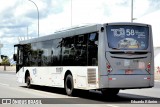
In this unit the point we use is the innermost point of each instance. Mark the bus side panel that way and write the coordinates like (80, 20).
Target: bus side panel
(103, 83)
(83, 77)
(21, 76)
(152, 81)
(152, 60)
(45, 76)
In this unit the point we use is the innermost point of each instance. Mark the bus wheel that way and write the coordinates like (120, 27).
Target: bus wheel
(69, 85)
(28, 81)
(110, 92)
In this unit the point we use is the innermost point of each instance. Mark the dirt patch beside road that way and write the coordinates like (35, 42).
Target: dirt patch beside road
(8, 68)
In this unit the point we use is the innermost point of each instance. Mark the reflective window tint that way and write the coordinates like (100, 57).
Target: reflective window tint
(45, 52)
(68, 51)
(27, 55)
(93, 49)
(56, 52)
(34, 54)
(79, 50)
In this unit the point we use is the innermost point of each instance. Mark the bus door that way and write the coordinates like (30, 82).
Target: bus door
(19, 57)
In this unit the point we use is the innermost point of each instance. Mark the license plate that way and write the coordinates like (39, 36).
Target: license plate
(128, 71)
(141, 65)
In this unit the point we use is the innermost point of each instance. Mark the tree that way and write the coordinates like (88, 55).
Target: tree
(5, 62)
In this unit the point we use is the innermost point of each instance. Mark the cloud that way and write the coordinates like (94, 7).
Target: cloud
(9, 40)
(155, 4)
(18, 15)
(152, 19)
(7, 49)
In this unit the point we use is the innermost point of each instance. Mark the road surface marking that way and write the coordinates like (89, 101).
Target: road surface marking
(2, 84)
(112, 105)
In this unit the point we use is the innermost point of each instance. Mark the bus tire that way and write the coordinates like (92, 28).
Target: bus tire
(110, 91)
(28, 82)
(69, 85)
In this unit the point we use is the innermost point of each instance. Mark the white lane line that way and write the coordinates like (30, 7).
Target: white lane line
(112, 105)
(2, 84)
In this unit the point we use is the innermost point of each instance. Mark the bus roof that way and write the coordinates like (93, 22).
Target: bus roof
(77, 30)
(66, 33)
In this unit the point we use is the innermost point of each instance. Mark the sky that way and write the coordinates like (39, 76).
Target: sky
(18, 18)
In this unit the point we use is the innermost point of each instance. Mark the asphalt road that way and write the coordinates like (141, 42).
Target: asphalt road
(14, 91)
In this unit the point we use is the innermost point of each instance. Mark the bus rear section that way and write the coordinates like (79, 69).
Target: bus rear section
(128, 57)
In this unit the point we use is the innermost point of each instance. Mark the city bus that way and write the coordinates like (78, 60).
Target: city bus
(106, 57)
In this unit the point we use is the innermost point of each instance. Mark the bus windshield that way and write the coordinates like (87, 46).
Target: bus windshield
(127, 37)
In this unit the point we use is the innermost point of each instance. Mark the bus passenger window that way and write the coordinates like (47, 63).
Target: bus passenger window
(93, 49)
(68, 51)
(20, 57)
(81, 50)
(56, 52)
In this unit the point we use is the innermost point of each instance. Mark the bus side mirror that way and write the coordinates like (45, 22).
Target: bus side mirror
(15, 57)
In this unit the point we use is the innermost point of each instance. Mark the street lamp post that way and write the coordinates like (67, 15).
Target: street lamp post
(37, 14)
(1, 45)
(132, 11)
(71, 12)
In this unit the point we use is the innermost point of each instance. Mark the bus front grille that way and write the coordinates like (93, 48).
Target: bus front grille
(91, 76)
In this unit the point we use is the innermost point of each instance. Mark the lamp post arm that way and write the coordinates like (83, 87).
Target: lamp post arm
(37, 14)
